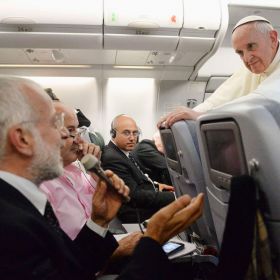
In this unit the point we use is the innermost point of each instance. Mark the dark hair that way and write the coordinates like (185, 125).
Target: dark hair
(83, 120)
(51, 94)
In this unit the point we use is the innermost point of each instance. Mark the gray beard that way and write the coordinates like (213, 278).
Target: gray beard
(46, 164)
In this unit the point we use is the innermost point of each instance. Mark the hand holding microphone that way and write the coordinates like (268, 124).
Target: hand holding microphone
(91, 163)
(88, 148)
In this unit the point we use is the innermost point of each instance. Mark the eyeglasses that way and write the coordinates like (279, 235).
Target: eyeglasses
(74, 133)
(127, 133)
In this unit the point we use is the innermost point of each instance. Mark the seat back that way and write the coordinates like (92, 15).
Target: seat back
(237, 139)
(183, 160)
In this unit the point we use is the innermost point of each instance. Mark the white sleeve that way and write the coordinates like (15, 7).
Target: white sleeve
(96, 228)
(239, 84)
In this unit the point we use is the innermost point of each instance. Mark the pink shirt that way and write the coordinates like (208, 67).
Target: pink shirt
(70, 196)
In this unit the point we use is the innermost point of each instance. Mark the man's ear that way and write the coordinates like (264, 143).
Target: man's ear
(274, 38)
(21, 140)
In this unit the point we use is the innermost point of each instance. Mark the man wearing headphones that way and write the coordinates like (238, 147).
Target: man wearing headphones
(145, 195)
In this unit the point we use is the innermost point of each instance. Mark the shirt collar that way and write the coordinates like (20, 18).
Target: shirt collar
(125, 152)
(26, 188)
(274, 62)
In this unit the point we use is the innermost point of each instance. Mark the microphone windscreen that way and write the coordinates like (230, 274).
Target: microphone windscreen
(89, 161)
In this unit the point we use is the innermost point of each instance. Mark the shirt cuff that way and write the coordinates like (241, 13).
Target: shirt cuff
(96, 228)
(156, 184)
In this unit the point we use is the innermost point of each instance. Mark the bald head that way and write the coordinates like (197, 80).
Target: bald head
(122, 119)
(126, 132)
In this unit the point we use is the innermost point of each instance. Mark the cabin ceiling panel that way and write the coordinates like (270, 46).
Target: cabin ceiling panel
(131, 57)
(13, 56)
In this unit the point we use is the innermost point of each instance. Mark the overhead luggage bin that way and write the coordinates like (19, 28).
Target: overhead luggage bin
(204, 28)
(53, 24)
(142, 25)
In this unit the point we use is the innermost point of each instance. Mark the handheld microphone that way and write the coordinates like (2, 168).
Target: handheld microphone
(91, 163)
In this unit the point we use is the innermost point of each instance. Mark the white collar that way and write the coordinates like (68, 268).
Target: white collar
(126, 153)
(26, 188)
(274, 62)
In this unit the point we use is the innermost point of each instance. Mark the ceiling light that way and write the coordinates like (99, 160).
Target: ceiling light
(171, 59)
(132, 67)
(44, 66)
(57, 56)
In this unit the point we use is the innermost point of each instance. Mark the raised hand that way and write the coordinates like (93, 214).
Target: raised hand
(180, 113)
(88, 148)
(174, 218)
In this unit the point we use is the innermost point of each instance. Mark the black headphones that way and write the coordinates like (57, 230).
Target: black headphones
(113, 132)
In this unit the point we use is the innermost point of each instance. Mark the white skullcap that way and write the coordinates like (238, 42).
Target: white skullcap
(250, 19)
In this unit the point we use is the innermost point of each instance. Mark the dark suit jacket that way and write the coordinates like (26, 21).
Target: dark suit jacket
(142, 192)
(31, 249)
(149, 262)
(152, 161)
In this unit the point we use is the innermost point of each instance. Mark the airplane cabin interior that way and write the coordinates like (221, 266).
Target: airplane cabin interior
(144, 59)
